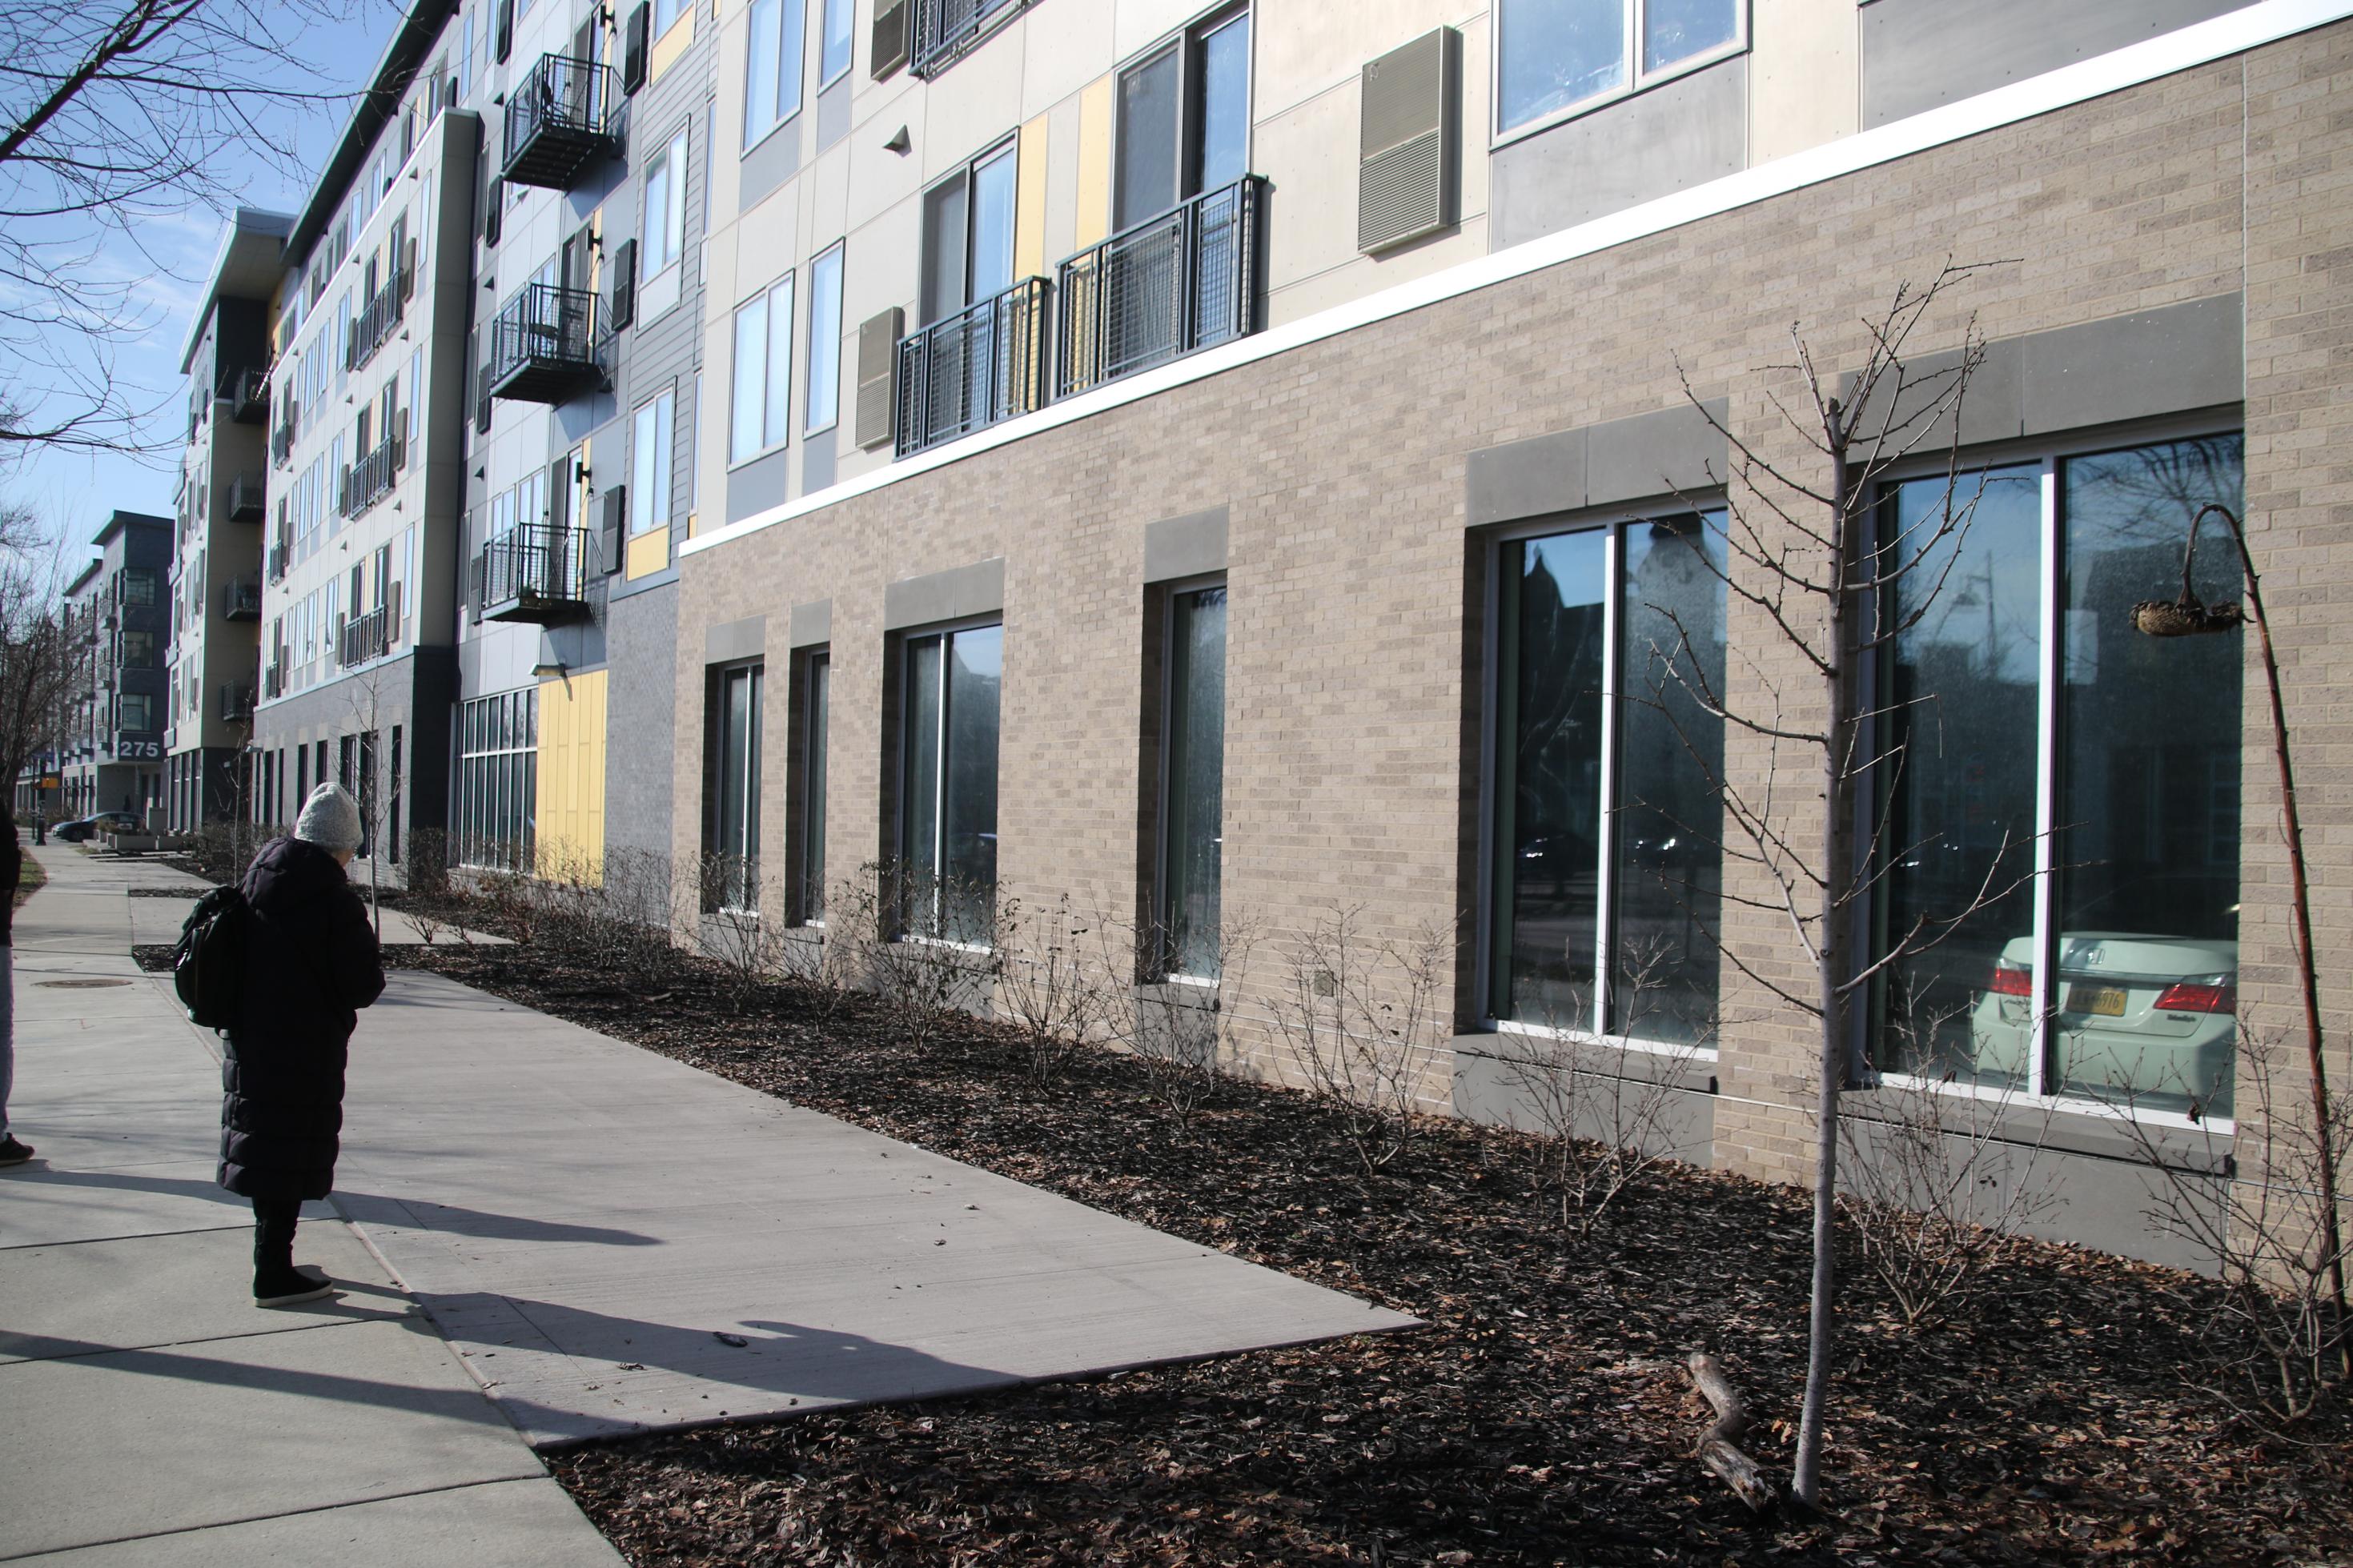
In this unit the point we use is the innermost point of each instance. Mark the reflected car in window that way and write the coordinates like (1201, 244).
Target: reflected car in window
(2147, 1020)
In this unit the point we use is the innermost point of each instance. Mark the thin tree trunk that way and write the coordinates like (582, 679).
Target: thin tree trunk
(1830, 945)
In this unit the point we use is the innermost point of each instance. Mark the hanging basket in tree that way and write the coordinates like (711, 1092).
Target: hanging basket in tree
(2186, 617)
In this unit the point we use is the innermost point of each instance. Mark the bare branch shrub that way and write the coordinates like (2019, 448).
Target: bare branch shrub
(739, 929)
(936, 957)
(2273, 1350)
(1599, 1105)
(1050, 983)
(1936, 1184)
(1181, 1031)
(1362, 1020)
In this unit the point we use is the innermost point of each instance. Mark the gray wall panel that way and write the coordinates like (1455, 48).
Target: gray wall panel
(1670, 452)
(732, 640)
(771, 164)
(1680, 133)
(1919, 54)
(812, 623)
(1189, 546)
(641, 698)
(951, 595)
(758, 485)
(833, 111)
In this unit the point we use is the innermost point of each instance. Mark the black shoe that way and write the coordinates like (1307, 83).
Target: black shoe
(290, 1289)
(13, 1153)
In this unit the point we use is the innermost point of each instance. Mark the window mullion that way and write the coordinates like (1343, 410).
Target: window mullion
(2046, 792)
(1606, 835)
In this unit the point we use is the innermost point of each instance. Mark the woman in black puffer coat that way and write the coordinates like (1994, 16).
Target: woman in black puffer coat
(311, 962)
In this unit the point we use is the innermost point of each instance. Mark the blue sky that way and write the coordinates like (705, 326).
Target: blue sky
(75, 491)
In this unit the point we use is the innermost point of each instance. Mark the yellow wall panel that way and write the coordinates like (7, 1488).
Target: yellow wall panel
(647, 554)
(672, 45)
(571, 816)
(1029, 203)
(1094, 162)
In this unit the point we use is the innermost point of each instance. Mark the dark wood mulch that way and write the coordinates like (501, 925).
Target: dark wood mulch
(1542, 1416)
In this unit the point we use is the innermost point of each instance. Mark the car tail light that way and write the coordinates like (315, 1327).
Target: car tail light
(2008, 981)
(2211, 993)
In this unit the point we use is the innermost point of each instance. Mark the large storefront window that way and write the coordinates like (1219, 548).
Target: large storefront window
(1605, 873)
(498, 780)
(947, 819)
(2064, 809)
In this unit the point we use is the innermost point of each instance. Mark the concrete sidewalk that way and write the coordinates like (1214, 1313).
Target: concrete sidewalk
(610, 1241)
(157, 1418)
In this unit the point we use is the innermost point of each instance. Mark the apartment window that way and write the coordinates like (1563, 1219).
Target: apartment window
(947, 783)
(665, 225)
(968, 221)
(834, 39)
(649, 465)
(763, 369)
(815, 722)
(1604, 874)
(731, 838)
(667, 13)
(138, 588)
(825, 341)
(2067, 807)
(772, 80)
(138, 650)
(1555, 57)
(1184, 120)
(498, 780)
(137, 713)
(1192, 834)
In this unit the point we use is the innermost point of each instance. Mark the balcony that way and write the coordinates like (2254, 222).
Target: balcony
(946, 30)
(282, 437)
(364, 637)
(536, 572)
(975, 368)
(543, 345)
(236, 704)
(249, 391)
(370, 478)
(241, 601)
(559, 122)
(246, 498)
(1171, 286)
(380, 315)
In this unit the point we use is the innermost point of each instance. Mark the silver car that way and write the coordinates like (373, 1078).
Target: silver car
(2152, 1020)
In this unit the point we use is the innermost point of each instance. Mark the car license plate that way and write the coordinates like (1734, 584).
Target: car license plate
(2104, 1000)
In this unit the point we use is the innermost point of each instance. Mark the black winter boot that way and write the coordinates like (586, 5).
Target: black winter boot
(276, 1282)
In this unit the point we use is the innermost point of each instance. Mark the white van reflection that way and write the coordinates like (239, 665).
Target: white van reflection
(2149, 1021)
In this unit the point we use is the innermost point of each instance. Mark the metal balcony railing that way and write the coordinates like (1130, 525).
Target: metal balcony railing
(370, 479)
(944, 29)
(560, 120)
(241, 600)
(235, 703)
(246, 498)
(249, 391)
(282, 437)
(538, 572)
(380, 315)
(364, 637)
(1170, 286)
(972, 369)
(543, 345)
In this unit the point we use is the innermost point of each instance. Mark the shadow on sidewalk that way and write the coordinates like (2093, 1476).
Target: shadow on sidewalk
(413, 1214)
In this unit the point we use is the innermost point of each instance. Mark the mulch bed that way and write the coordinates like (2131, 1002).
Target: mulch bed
(1543, 1415)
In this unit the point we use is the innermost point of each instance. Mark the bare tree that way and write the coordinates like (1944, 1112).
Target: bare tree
(1801, 557)
(39, 660)
(120, 114)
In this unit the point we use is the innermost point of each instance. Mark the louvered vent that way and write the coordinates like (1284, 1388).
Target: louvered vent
(878, 358)
(1405, 176)
(889, 51)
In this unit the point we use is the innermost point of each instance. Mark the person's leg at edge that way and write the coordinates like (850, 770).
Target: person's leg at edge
(12, 1153)
(276, 1281)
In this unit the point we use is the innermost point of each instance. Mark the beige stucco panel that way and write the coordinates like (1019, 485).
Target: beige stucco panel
(1062, 180)
(880, 178)
(1298, 51)
(1063, 49)
(1365, 274)
(767, 242)
(1805, 84)
(880, 268)
(977, 104)
(1137, 24)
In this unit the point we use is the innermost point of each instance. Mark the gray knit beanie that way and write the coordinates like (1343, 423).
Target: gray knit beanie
(330, 819)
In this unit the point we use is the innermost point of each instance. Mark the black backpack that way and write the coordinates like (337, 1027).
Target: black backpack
(209, 958)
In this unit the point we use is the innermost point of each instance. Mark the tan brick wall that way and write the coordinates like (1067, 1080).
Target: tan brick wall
(1343, 464)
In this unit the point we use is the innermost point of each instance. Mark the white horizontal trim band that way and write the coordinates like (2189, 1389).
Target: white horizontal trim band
(2137, 64)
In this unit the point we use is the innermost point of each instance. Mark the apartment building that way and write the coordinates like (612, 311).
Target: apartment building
(217, 560)
(75, 755)
(1250, 457)
(130, 669)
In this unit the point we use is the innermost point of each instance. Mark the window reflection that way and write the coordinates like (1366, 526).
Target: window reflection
(1196, 757)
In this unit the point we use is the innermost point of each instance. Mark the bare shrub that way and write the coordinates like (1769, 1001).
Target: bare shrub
(833, 958)
(1936, 1181)
(2274, 1352)
(738, 929)
(1181, 1031)
(1599, 1104)
(1360, 1018)
(1052, 982)
(934, 956)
